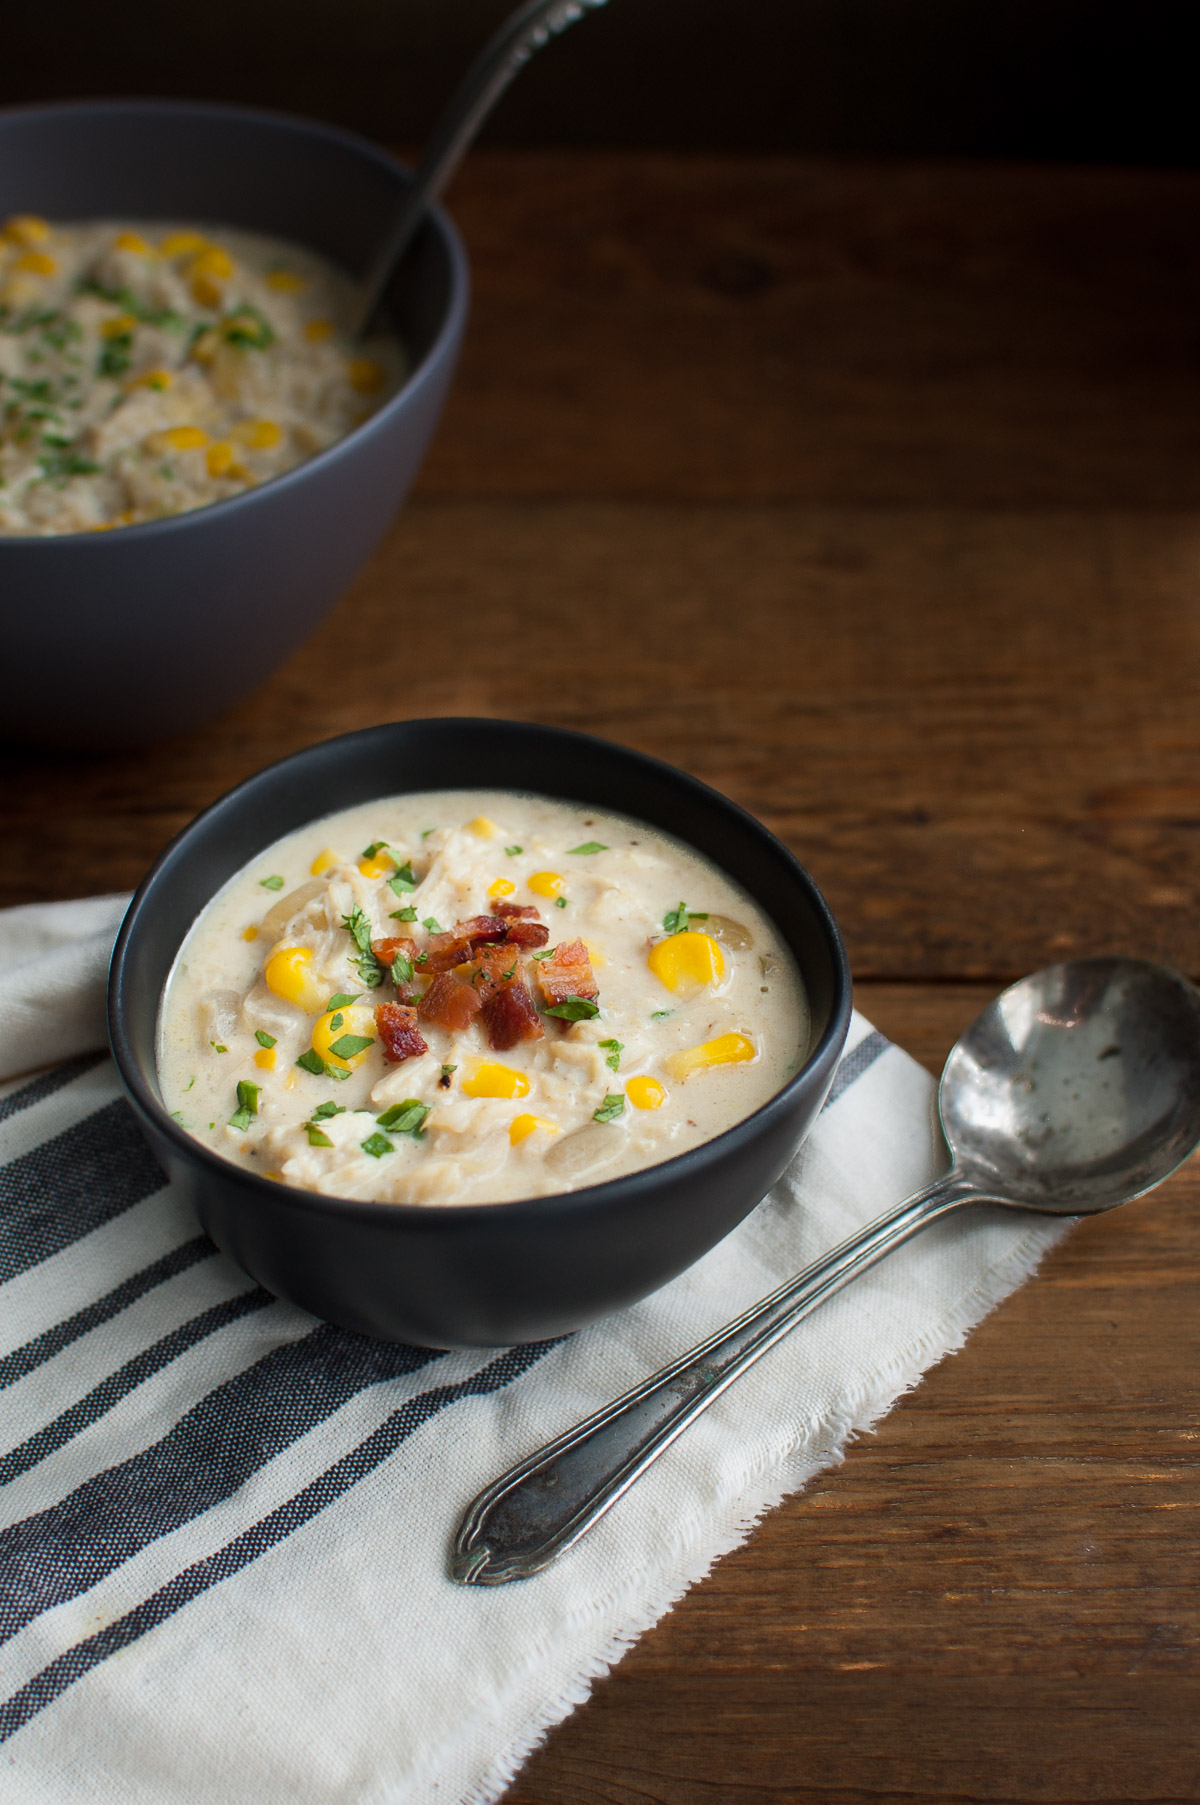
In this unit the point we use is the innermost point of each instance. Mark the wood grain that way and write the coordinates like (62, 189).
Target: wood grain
(872, 496)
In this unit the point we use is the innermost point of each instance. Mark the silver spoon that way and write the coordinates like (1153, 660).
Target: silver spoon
(485, 81)
(1075, 1090)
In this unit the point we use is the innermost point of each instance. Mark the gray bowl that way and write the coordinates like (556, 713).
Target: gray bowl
(118, 638)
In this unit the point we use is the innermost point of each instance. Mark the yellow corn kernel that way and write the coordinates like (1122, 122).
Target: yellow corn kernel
(547, 883)
(206, 291)
(220, 458)
(265, 1057)
(289, 1080)
(727, 1049)
(249, 933)
(38, 263)
(206, 347)
(286, 281)
(481, 826)
(289, 974)
(119, 324)
(686, 962)
(491, 1079)
(133, 241)
(325, 861)
(212, 261)
(317, 330)
(646, 1093)
(364, 375)
(183, 244)
(521, 1127)
(25, 228)
(375, 867)
(18, 291)
(258, 435)
(153, 379)
(275, 1177)
(502, 887)
(595, 956)
(355, 1018)
(181, 438)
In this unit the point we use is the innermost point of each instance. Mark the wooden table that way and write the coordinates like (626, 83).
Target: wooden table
(871, 494)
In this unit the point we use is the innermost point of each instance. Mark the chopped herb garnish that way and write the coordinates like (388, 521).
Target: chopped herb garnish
(177, 1116)
(58, 465)
(422, 958)
(350, 1045)
(432, 924)
(324, 1110)
(263, 1038)
(449, 1070)
(612, 1107)
(116, 355)
(612, 1050)
(406, 1117)
(560, 902)
(403, 915)
(576, 1009)
(660, 1015)
(316, 1136)
(218, 1046)
(247, 1096)
(337, 1021)
(341, 1000)
(340, 1072)
(367, 965)
(402, 970)
(247, 329)
(676, 920)
(377, 1145)
(312, 1062)
(547, 952)
(270, 883)
(374, 849)
(512, 851)
(426, 831)
(588, 846)
(190, 1082)
(403, 879)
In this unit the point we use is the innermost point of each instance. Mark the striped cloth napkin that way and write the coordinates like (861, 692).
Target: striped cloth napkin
(224, 1525)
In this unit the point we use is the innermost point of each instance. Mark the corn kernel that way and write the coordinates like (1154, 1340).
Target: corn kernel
(38, 263)
(206, 346)
(133, 241)
(153, 379)
(117, 326)
(25, 228)
(357, 1019)
(547, 883)
(249, 933)
(595, 956)
(265, 1057)
(686, 962)
(285, 281)
(374, 867)
(183, 244)
(259, 435)
(180, 438)
(727, 1049)
(491, 1079)
(364, 375)
(317, 330)
(289, 974)
(206, 291)
(324, 862)
(646, 1093)
(220, 457)
(502, 887)
(521, 1127)
(481, 826)
(212, 261)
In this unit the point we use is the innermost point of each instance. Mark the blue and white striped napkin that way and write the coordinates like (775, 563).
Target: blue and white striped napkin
(224, 1525)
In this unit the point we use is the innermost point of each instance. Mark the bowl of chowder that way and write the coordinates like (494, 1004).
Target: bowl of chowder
(470, 1063)
(196, 454)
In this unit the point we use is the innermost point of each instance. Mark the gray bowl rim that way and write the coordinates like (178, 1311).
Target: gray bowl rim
(452, 323)
(528, 1209)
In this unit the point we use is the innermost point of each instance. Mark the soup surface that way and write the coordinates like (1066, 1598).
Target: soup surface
(470, 997)
(146, 370)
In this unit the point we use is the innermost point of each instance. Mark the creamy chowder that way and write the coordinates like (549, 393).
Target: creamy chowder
(472, 997)
(146, 370)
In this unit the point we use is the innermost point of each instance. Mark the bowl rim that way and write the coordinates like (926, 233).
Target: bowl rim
(450, 327)
(450, 1218)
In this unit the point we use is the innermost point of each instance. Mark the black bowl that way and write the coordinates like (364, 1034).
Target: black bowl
(116, 638)
(475, 1275)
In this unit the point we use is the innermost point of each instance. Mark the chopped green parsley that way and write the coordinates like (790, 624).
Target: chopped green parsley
(263, 1038)
(377, 1145)
(348, 1046)
(405, 1118)
(588, 846)
(576, 1009)
(612, 1050)
(247, 1096)
(612, 1107)
(676, 920)
(270, 883)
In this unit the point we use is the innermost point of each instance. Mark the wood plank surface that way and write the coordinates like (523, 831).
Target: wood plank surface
(871, 494)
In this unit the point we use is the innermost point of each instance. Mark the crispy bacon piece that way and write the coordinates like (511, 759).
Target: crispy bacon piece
(385, 950)
(456, 946)
(398, 1032)
(449, 1003)
(517, 911)
(493, 967)
(527, 933)
(567, 973)
(510, 1016)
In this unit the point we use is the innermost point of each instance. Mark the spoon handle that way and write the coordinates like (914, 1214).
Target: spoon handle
(542, 1506)
(531, 26)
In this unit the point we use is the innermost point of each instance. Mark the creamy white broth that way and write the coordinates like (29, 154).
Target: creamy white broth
(612, 1092)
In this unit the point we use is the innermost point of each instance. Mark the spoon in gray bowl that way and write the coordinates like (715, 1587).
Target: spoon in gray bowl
(1076, 1090)
(502, 57)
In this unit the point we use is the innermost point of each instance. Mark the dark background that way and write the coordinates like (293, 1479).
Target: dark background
(1053, 80)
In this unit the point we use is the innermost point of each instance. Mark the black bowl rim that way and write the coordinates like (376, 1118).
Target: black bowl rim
(451, 1217)
(451, 325)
